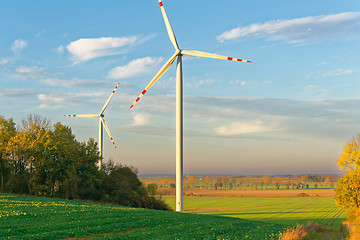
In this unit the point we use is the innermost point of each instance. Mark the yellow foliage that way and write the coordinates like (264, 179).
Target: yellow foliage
(350, 156)
(294, 233)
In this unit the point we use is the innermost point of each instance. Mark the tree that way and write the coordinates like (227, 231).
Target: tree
(207, 181)
(347, 192)
(192, 180)
(224, 180)
(267, 180)
(152, 189)
(7, 131)
(327, 181)
(40, 159)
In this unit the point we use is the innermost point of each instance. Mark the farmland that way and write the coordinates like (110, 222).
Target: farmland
(25, 217)
(282, 210)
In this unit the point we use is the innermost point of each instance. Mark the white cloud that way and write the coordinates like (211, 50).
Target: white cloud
(200, 83)
(141, 119)
(72, 82)
(16, 92)
(52, 102)
(88, 48)
(4, 61)
(60, 49)
(18, 45)
(240, 128)
(310, 87)
(299, 30)
(135, 67)
(242, 83)
(61, 100)
(339, 72)
(56, 79)
(30, 72)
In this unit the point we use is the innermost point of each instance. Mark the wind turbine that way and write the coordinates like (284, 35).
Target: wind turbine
(101, 124)
(179, 99)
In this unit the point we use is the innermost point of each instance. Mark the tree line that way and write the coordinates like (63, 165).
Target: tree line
(250, 183)
(38, 158)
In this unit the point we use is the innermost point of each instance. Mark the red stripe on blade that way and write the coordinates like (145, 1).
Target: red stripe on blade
(161, 5)
(230, 58)
(137, 99)
(143, 92)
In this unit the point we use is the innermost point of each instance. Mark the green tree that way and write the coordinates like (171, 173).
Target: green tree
(7, 131)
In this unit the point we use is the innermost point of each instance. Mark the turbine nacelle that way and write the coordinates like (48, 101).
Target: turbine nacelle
(179, 52)
(179, 93)
(101, 124)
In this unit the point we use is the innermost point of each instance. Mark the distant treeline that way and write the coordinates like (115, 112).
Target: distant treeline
(248, 183)
(37, 158)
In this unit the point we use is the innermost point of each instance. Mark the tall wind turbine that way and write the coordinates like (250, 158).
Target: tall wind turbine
(179, 99)
(101, 124)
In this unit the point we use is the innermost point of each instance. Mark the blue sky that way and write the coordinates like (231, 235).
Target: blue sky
(289, 111)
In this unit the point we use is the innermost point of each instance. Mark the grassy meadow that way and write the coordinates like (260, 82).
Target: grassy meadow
(280, 210)
(26, 217)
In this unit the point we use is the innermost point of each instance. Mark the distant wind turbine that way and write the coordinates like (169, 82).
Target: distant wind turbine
(179, 99)
(101, 123)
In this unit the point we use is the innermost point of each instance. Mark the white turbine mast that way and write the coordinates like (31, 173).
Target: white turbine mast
(101, 124)
(179, 99)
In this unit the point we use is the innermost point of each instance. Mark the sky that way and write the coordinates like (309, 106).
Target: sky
(290, 111)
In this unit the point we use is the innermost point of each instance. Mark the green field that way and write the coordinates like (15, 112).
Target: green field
(286, 210)
(25, 217)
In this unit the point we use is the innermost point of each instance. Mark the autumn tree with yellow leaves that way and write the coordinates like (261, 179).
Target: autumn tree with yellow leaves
(347, 192)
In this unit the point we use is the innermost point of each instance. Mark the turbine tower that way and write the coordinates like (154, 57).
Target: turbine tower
(101, 124)
(179, 98)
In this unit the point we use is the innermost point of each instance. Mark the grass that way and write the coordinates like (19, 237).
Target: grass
(290, 211)
(26, 217)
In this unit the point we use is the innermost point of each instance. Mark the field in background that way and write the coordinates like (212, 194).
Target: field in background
(27, 217)
(288, 200)
(282, 210)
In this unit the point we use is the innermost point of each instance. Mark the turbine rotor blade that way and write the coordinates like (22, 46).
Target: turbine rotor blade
(211, 55)
(83, 115)
(164, 68)
(168, 26)
(107, 102)
(107, 130)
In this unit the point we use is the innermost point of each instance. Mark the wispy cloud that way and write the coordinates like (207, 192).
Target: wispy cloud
(30, 72)
(60, 49)
(17, 92)
(73, 82)
(18, 45)
(4, 61)
(86, 49)
(200, 83)
(242, 83)
(300, 30)
(62, 100)
(52, 102)
(135, 67)
(55, 79)
(339, 72)
(141, 119)
(240, 128)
